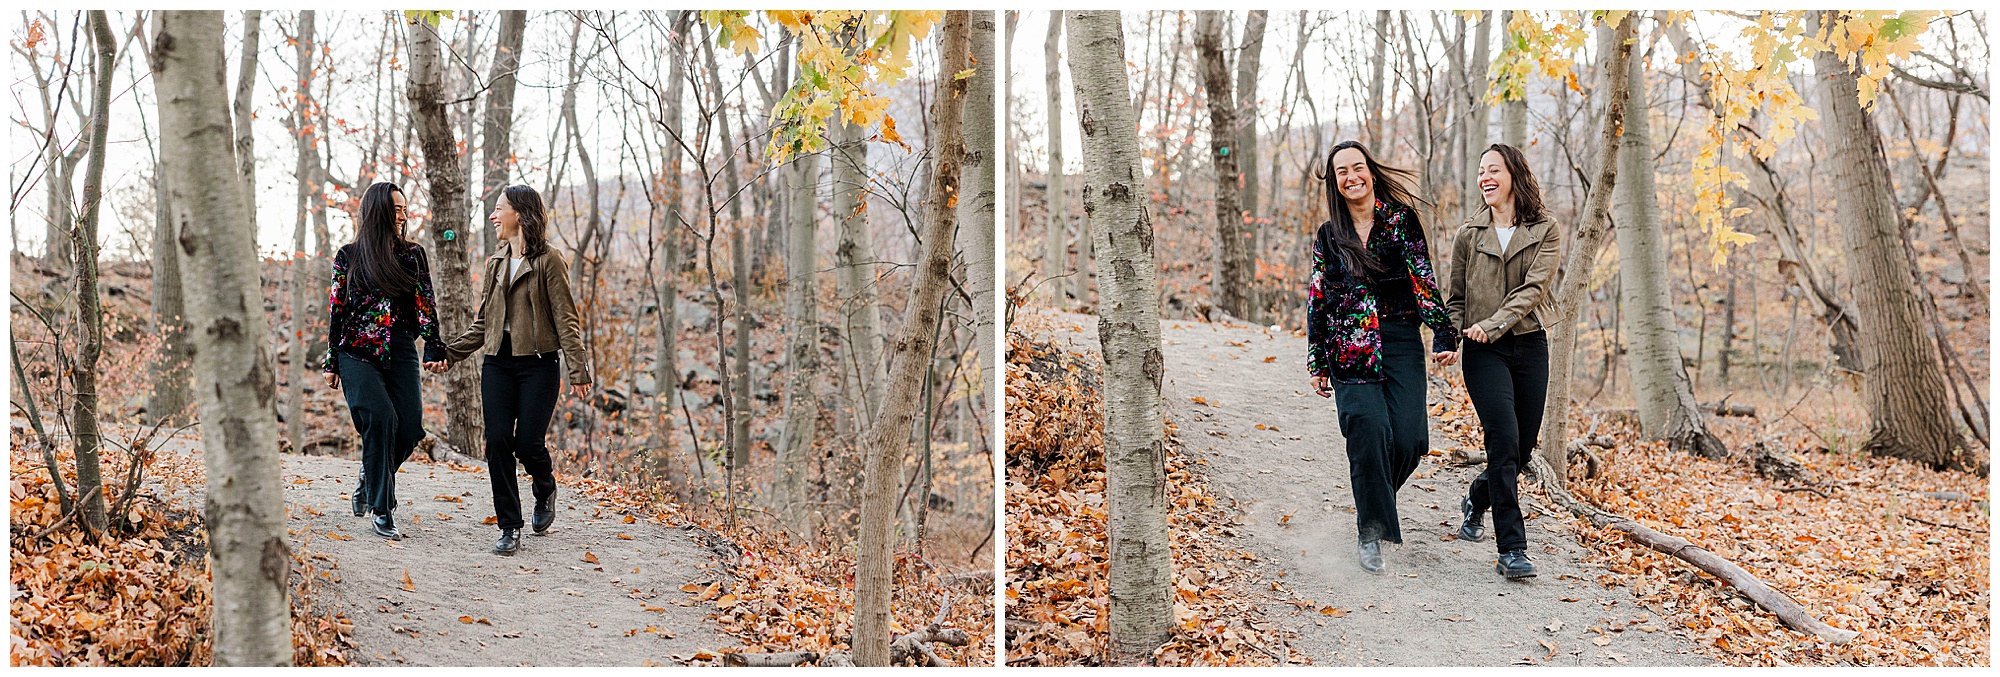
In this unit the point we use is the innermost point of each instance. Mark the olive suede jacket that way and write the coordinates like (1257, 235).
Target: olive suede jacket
(539, 303)
(1500, 291)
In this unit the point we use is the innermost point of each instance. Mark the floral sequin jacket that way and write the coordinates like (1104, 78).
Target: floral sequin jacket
(1344, 341)
(361, 320)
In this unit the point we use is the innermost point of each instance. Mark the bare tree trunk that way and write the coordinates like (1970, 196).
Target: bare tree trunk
(666, 371)
(854, 254)
(455, 303)
(295, 414)
(1905, 389)
(89, 311)
(1375, 66)
(1055, 263)
(59, 178)
(1583, 250)
(246, 81)
(498, 137)
(735, 407)
(976, 202)
(1128, 326)
(802, 333)
(1475, 126)
(1660, 386)
(1248, 63)
(245, 516)
(1514, 112)
(582, 260)
(1229, 287)
(889, 438)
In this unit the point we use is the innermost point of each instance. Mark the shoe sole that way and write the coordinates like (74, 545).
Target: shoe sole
(1512, 576)
(505, 553)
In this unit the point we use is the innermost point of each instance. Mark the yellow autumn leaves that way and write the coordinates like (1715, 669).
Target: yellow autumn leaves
(842, 56)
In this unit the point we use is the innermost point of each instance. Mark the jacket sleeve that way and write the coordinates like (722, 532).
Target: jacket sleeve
(563, 307)
(1454, 290)
(427, 316)
(1317, 359)
(1423, 282)
(474, 337)
(1534, 287)
(335, 308)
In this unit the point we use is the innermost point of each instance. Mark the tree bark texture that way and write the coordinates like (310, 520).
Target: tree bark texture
(498, 149)
(308, 189)
(802, 338)
(246, 83)
(1475, 124)
(1128, 327)
(465, 427)
(245, 514)
(1230, 284)
(1055, 262)
(1375, 67)
(854, 254)
(1585, 244)
(889, 438)
(1513, 112)
(1905, 388)
(1660, 386)
(89, 309)
(976, 201)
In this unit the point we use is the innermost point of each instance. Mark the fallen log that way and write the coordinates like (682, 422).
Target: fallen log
(769, 660)
(1778, 603)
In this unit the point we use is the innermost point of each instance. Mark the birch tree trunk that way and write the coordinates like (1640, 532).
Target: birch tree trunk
(1128, 327)
(1475, 128)
(1660, 386)
(1229, 287)
(498, 149)
(976, 201)
(307, 189)
(889, 438)
(1909, 417)
(854, 254)
(1055, 263)
(802, 335)
(245, 516)
(246, 82)
(465, 427)
(1585, 243)
(1514, 112)
(89, 310)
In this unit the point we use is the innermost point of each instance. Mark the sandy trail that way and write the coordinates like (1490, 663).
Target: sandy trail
(1439, 601)
(546, 605)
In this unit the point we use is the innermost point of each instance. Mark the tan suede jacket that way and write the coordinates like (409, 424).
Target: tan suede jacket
(1502, 291)
(538, 301)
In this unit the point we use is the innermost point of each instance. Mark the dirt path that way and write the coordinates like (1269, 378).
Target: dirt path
(1439, 601)
(547, 605)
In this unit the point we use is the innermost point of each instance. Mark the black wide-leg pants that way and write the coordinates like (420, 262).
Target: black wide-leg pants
(388, 410)
(1508, 381)
(518, 395)
(1386, 430)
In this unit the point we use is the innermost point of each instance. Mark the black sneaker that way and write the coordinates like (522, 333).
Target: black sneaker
(1514, 564)
(545, 513)
(509, 543)
(1371, 556)
(1474, 526)
(385, 526)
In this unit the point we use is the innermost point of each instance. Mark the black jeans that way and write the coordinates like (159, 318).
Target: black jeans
(1384, 424)
(1508, 381)
(388, 411)
(519, 396)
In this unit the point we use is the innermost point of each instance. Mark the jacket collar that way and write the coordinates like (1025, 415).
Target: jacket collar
(1489, 240)
(501, 258)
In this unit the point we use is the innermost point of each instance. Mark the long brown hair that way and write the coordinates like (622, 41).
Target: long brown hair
(534, 219)
(371, 259)
(1392, 185)
(1528, 206)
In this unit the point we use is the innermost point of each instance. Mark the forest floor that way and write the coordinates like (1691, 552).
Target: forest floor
(1241, 402)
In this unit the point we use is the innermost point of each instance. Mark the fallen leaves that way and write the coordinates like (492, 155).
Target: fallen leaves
(408, 584)
(590, 557)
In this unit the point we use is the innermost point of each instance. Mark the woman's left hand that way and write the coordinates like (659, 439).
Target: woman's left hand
(1475, 333)
(579, 389)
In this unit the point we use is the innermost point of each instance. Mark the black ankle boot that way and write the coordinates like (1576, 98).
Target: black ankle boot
(545, 513)
(360, 508)
(1474, 526)
(1514, 564)
(510, 542)
(1371, 556)
(385, 526)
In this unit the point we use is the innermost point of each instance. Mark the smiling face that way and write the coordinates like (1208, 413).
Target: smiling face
(1496, 186)
(505, 219)
(1351, 176)
(402, 210)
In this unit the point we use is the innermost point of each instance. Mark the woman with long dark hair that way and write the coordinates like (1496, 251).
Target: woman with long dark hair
(1502, 265)
(380, 304)
(1372, 285)
(526, 318)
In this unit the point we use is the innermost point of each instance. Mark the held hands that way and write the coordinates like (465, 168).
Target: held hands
(1323, 386)
(1445, 357)
(437, 367)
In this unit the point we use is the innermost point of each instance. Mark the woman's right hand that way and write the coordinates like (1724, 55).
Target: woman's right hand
(332, 380)
(1323, 386)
